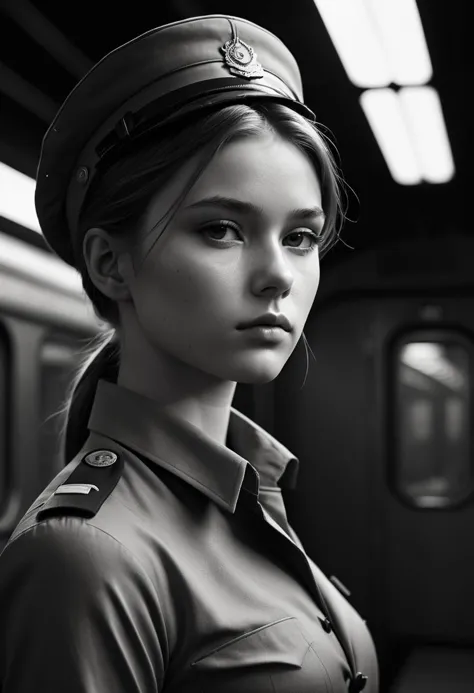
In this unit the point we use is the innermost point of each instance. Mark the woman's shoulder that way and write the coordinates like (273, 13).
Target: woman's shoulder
(67, 550)
(78, 490)
(112, 510)
(102, 503)
(64, 552)
(58, 531)
(78, 591)
(78, 511)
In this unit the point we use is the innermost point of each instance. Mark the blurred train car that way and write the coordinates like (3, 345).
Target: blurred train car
(379, 411)
(381, 423)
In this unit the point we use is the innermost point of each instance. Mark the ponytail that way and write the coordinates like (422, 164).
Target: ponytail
(101, 360)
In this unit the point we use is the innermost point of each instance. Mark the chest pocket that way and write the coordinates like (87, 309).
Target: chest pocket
(275, 658)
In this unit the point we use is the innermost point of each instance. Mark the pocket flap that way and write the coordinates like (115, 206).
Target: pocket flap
(279, 642)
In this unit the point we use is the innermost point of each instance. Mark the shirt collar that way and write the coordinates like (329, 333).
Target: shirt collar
(217, 470)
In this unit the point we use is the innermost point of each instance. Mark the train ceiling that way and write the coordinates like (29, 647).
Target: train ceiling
(46, 46)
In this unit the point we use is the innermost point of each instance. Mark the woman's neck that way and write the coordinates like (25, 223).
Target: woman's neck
(190, 395)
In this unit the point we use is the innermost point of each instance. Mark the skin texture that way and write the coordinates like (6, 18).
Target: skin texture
(182, 294)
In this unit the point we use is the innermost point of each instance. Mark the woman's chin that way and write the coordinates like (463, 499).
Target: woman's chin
(259, 372)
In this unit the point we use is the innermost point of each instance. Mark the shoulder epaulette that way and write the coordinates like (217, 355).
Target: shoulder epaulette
(87, 487)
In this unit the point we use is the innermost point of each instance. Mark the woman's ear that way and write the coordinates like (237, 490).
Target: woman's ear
(125, 267)
(109, 265)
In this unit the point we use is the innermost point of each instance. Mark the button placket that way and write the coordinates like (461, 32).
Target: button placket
(321, 600)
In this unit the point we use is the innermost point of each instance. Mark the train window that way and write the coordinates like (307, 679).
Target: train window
(5, 367)
(59, 358)
(433, 414)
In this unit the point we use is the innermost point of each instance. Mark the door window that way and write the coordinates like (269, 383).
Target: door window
(433, 420)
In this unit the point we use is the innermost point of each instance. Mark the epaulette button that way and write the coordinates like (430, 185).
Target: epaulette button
(101, 458)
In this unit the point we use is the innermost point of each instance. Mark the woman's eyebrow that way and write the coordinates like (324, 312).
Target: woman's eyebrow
(249, 208)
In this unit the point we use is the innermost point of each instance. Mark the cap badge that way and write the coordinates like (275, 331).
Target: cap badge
(241, 59)
(101, 458)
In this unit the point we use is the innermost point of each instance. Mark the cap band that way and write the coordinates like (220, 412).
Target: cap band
(127, 125)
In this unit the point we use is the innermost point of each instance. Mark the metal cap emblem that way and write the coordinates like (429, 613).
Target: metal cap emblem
(101, 458)
(241, 59)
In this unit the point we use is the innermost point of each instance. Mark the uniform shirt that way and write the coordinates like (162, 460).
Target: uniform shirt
(187, 578)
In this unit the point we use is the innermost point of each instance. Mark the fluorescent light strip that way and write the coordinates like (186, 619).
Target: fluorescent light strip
(378, 41)
(382, 110)
(401, 32)
(422, 112)
(353, 33)
(17, 198)
(26, 260)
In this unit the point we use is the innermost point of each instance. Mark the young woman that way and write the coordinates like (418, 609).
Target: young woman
(189, 185)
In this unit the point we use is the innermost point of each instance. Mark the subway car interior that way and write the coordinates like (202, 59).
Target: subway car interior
(378, 406)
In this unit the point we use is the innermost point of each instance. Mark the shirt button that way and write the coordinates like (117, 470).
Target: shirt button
(326, 624)
(358, 683)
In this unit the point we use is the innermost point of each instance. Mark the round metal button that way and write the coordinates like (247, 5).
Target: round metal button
(358, 683)
(101, 458)
(82, 174)
(327, 625)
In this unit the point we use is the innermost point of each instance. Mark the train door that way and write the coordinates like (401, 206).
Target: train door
(425, 387)
(382, 427)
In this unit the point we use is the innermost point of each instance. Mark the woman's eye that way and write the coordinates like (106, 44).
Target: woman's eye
(303, 241)
(218, 228)
(296, 237)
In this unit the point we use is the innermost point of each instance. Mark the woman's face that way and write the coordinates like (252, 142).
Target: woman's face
(223, 262)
